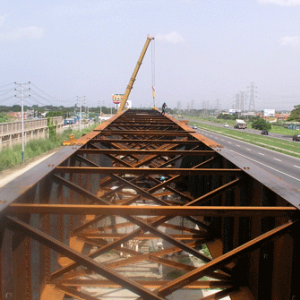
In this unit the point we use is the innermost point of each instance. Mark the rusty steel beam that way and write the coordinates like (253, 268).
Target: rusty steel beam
(148, 171)
(151, 284)
(43, 238)
(125, 210)
(144, 141)
(92, 195)
(148, 152)
(143, 133)
(139, 237)
(224, 259)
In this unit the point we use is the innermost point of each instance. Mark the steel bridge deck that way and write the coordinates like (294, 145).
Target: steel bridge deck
(142, 177)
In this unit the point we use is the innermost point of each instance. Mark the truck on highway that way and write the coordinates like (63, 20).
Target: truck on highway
(240, 124)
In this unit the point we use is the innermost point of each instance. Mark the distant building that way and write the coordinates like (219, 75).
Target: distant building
(282, 117)
(233, 111)
(15, 114)
(248, 114)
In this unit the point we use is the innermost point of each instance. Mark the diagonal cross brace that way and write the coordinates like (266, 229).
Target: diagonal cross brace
(17, 225)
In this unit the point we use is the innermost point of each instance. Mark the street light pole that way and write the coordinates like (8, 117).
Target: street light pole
(22, 119)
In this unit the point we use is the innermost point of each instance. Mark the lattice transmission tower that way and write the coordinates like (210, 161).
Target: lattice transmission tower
(252, 91)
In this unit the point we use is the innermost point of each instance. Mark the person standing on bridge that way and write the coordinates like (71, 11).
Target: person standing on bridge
(163, 109)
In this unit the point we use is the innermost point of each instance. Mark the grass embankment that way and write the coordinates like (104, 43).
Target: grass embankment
(12, 157)
(275, 128)
(287, 147)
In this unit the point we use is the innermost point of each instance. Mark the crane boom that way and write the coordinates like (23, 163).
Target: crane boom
(132, 79)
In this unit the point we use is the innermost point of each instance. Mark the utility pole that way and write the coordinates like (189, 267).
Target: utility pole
(192, 104)
(207, 111)
(22, 116)
(79, 99)
(100, 113)
(217, 104)
(203, 107)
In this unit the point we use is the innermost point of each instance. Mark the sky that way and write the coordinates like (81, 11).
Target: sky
(204, 52)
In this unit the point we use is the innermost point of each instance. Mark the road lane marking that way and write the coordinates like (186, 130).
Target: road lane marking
(260, 153)
(248, 149)
(238, 145)
(296, 166)
(277, 159)
(266, 165)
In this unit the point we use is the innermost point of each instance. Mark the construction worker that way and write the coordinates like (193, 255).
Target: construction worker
(163, 108)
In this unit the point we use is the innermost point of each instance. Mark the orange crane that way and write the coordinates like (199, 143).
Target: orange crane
(132, 79)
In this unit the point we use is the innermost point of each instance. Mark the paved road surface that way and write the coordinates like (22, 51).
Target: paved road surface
(283, 166)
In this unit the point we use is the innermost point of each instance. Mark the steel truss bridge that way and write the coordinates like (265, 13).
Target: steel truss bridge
(125, 183)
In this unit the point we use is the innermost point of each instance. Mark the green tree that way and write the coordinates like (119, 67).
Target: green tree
(261, 124)
(227, 116)
(295, 114)
(55, 113)
(16, 108)
(4, 118)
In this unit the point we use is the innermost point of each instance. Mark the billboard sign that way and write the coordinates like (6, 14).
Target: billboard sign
(269, 113)
(117, 98)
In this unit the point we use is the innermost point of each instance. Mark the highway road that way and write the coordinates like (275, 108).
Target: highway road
(282, 166)
(250, 130)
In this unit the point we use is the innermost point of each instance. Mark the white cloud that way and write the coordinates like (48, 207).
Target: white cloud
(280, 2)
(21, 33)
(290, 41)
(173, 37)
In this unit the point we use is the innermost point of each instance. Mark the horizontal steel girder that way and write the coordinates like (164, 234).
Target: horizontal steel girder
(56, 245)
(125, 210)
(146, 283)
(147, 171)
(224, 259)
(148, 152)
(146, 132)
(143, 141)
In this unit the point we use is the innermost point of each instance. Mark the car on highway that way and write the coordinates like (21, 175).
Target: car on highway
(195, 127)
(296, 137)
(264, 132)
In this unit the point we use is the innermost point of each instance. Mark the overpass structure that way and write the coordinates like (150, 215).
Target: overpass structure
(11, 132)
(125, 183)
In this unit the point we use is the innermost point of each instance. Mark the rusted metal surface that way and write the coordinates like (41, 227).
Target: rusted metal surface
(144, 188)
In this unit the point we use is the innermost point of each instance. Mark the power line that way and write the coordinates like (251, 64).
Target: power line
(45, 93)
(7, 85)
(9, 98)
